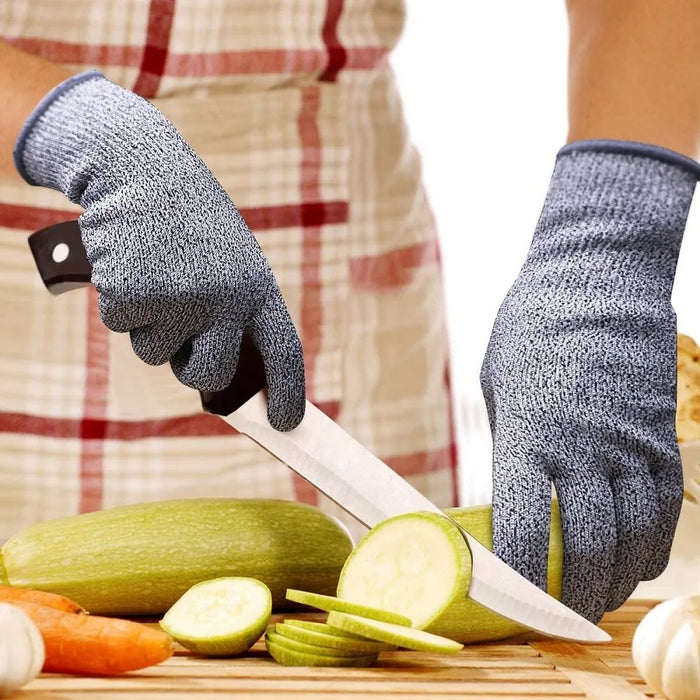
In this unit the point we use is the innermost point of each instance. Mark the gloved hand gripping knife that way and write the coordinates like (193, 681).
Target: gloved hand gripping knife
(173, 261)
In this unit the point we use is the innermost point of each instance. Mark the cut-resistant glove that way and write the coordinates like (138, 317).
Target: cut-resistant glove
(579, 376)
(173, 261)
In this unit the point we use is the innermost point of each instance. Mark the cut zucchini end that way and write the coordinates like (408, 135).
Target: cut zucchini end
(285, 655)
(413, 564)
(220, 617)
(329, 603)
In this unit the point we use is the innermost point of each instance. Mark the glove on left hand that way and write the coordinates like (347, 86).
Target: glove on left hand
(580, 375)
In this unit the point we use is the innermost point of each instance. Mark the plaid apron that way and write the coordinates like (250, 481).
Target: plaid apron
(293, 106)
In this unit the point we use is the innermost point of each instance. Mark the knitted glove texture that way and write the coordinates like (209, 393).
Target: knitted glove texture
(579, 376)
(173, 261)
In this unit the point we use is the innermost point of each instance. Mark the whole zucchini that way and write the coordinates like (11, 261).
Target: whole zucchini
(139, 559)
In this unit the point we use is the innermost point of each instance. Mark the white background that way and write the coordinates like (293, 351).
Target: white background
(484, 91)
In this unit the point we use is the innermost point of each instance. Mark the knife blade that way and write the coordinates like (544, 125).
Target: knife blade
(334, 462)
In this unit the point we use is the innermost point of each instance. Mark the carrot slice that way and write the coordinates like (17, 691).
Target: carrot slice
(94, 645)
(10, 594)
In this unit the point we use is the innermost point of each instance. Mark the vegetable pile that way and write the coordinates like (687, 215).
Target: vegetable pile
(213, 570)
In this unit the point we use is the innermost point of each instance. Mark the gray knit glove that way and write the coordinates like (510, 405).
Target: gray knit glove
(173, 261)
(580, 375)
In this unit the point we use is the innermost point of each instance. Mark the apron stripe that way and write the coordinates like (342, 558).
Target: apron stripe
(394, 268)
(271, 61)
(311, 313)
(155, 52)
(26, 218)
(308, 213)
(204, 65)
(451, 461)
(337, 55)
(94, 407)
(79, 54)
(92, 428)
(422, 462)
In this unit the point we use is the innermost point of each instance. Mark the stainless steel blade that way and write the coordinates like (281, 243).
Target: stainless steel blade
(360, 483)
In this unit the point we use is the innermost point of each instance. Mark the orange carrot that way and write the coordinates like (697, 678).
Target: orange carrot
(93, 645)
(10, 594)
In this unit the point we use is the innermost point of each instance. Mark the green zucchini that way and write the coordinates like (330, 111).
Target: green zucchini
(140, 559)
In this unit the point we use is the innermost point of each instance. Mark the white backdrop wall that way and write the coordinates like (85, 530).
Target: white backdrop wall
(484, 91)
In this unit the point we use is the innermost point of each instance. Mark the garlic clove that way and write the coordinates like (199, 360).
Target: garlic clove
(653, 637)
(22, 649)
(680, 677)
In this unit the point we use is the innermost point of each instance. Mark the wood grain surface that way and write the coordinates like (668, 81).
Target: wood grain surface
(526, 668)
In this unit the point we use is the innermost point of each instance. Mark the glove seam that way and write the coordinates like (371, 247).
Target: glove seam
(37, 113)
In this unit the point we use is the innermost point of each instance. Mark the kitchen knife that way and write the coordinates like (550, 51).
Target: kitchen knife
(330, 459)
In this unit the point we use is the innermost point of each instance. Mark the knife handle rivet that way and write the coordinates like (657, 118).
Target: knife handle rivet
(60, 253)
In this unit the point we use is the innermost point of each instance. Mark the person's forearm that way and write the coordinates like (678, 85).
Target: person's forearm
(634, 72)
(24, 80)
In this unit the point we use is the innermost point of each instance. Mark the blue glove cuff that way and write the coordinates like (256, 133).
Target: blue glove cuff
(39, 110)
(634, 148)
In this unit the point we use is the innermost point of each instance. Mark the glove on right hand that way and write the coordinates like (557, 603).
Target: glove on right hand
(173, 261)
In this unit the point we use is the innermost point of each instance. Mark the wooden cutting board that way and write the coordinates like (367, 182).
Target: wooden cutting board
(529, 668)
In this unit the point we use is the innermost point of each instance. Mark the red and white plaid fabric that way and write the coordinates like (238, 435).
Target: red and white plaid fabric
(293, 106)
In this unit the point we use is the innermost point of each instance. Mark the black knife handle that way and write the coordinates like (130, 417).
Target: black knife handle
(63, 265)
(60, 257)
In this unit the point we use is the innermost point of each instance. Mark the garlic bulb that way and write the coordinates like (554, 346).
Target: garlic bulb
(666, 648)
(21, 649)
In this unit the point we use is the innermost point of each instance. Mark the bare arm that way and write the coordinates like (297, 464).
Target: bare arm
(634, 72)
(24, 80)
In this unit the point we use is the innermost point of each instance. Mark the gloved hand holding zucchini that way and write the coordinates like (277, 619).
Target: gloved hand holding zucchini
(173, 261)
(580, 375)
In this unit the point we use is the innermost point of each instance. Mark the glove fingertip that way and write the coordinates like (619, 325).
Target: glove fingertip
(278, 342)
(113, 316)
(286, 408)
(670, 488)
(193, 376)
(287, 420)
(150, 355)
(208, 360)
